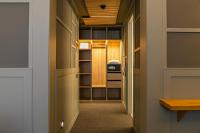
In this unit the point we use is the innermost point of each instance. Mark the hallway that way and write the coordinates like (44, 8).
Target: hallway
(102, 118)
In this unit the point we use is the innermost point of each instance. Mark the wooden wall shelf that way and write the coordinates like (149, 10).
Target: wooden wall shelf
(85, 73)
(85, 60)
(181, 107)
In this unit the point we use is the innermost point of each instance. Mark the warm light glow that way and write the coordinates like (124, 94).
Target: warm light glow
(84, 45)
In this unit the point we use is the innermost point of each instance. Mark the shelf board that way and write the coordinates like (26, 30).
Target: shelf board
(113, 71)
(100, 101)
(85, 101)
(85, 49)
(99, 86)
(85, 60)
(181, 106)
(85, 86)
(85, 73)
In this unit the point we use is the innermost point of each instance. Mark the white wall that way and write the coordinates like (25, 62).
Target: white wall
(40, 49)
(16, 100)
(158, 81)
(24, 91)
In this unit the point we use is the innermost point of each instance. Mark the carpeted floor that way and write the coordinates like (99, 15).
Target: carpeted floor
(102, 118)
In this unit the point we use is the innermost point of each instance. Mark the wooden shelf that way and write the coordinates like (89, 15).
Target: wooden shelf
(99, 86)
(85, 73)
(85, 86)
(114, 71)
(181, 106)
(85, 60)
(85, 49)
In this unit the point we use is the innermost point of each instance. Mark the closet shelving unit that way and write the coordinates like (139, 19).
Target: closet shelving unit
(90, 91)
(85, 75)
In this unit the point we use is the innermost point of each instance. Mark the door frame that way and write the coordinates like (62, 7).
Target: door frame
(130, 66)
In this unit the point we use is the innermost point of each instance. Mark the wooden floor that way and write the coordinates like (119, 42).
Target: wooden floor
(102, 118)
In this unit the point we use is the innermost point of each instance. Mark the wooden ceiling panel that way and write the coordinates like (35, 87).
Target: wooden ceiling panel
(99, 16)
(99, 21)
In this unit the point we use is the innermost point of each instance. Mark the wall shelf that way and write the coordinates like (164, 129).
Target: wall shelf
(85, 73)
(85, 60)
(85, 86)
(180, 106)
(84, 49)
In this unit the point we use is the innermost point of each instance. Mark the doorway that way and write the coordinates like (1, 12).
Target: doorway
(89, 70)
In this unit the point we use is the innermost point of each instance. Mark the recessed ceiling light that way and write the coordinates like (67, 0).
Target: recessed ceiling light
(103, 6)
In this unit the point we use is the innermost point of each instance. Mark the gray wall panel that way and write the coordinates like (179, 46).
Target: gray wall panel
(183, 50)
(183, 13)
(14, 35)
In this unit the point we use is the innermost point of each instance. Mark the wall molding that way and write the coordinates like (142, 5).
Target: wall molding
(183, 30)
(14, 1)
(171, 74)
(26, 75)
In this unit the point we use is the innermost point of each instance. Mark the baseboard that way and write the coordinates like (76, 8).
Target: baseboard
(72, 123)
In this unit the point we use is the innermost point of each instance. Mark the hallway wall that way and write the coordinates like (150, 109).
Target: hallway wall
(163, 73)
(24, 72)
(67, 68)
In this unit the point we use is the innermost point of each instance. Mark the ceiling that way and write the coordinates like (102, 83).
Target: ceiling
(90, 12)
(102, 12)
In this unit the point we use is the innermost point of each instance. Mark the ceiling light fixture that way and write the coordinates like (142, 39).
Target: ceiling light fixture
(103, 6)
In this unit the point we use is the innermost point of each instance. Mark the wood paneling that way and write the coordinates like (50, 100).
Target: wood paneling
(99, 67)
(99, 21)
(113, 52)
(99, 16)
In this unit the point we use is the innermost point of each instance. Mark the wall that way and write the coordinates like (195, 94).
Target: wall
(40, 17)
(67, 83)
(24, 74)
(52, 67)
(130, 65)
(165, 40)
(16, 67)
(16, 26)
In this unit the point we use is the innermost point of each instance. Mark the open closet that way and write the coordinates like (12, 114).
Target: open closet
(100, 59)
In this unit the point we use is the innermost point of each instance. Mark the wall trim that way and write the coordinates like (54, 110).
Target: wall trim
(170, 73)
(26, 74)
(14, 1)
(183, 30)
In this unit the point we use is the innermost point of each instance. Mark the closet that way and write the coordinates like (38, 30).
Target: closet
(100, 63)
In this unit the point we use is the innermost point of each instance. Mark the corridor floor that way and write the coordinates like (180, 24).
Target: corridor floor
(102, 118)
